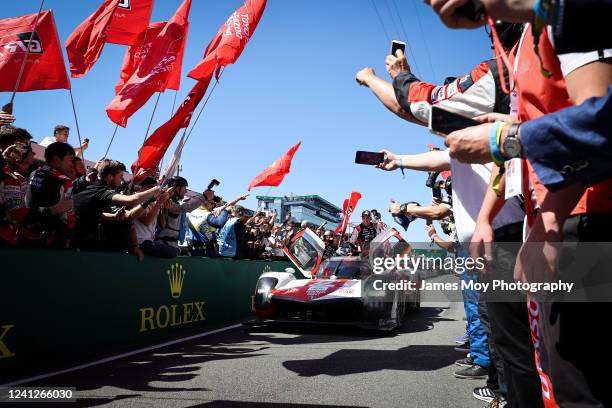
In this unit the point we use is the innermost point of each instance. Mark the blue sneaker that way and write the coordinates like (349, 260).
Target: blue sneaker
(463, 339)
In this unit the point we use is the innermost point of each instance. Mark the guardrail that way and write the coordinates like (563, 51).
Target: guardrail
(62, 308)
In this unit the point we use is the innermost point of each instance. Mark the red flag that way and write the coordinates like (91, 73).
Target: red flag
(155, 72)
(135, 54)
(231, 39)
(85, 44)
(130, 19)
(275, 173)
(348, 209)
(157, 144)
(44, 67)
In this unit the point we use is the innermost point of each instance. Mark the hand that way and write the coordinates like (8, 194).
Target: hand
(396, 64)
(84, 144)
(62, 207)
(163, 197)
(120, 215)
(482, 239)
(513, 11)
(390, 161)
(447, 10)
(394, 208)
(139, 254)
(470, 145)
(364, 75)
(539, 255)
(431, 230)
(243, 197)
(495, 117)
(6, 118)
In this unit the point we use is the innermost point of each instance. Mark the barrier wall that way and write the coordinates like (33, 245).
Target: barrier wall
(63, 308)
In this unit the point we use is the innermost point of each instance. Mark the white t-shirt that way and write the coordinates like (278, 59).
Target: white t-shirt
(47, 141)
(145, 232)
(470, 184)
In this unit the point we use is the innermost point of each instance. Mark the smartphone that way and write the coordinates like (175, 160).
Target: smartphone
(472, 10)
(397, 45)
(443, 122)
(370, 158)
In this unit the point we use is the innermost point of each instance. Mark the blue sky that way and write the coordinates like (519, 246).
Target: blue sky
(295, 81)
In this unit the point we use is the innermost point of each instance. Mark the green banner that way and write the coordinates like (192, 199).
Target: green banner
(63, 308)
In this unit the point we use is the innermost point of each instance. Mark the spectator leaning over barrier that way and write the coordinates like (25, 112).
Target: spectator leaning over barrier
(9, 135)
(208, 219)
(170, 215)
(94, 204)
(18, 158)
(146, 224)
(51, 220)
(232, 237)
(61, 134)
(84, 177)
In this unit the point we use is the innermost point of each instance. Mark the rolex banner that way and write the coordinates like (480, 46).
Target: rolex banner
(122, 305)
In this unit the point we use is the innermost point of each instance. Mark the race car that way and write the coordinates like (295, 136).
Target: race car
(338, 290)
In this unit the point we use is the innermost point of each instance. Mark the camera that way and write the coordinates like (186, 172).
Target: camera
(438, 186)
(212, 184)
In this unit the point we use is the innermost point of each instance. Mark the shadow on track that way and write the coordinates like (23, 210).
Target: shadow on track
(243, 404)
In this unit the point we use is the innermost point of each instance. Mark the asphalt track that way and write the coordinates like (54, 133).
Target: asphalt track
(290, 367)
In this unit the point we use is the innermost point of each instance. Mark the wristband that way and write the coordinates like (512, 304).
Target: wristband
(493, 143)
(147, 202)
(400, 162)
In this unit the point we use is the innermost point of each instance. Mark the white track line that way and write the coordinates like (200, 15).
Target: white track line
(119, 356)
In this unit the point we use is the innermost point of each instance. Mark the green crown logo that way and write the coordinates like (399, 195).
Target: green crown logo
(176, 276)
(267, 268)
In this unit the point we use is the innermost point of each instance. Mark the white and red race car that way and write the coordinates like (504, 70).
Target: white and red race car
(337, 290)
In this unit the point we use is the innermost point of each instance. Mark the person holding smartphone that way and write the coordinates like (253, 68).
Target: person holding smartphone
(480, 215)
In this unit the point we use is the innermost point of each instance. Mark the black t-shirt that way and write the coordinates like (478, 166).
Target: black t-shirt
(241, 239)
(89, 205)
(366, 234)
(47, 187)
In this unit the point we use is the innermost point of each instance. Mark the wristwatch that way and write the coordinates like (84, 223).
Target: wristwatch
(512, 144)
(403, 208)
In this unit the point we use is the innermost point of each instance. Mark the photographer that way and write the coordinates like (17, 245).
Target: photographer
(207, 220)
(170, 215)
(13, 186)
(232, 237)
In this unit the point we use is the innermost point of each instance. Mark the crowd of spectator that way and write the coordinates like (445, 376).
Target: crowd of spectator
(61, 204)
(543, 102)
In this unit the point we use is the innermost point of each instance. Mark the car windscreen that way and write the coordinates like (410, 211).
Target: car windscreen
(305, 253)
(340, 268)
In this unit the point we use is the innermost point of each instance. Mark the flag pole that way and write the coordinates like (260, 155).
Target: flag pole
(111, 142)
(8, 108)
(151, 120)
(148, 129)
(203, 106)
(174, 103)
(76, 120)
